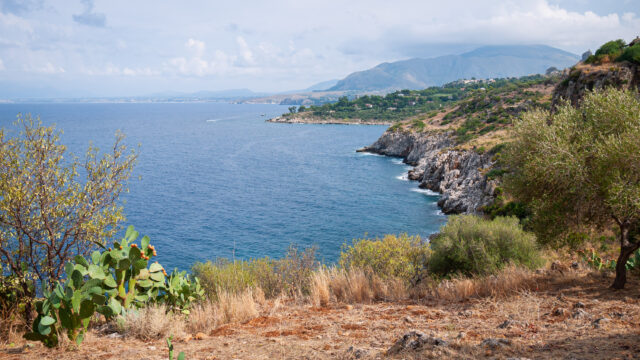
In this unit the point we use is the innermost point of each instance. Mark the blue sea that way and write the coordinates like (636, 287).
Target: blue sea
(216, 180)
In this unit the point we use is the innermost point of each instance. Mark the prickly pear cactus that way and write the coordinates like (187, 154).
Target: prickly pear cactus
(67, 307)
(126, 273)
(181, 291)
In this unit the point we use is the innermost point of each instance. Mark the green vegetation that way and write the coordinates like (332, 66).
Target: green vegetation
(290, 275)
(476, 107)
(111, 283)
(400, 256)
(581, 167)
(615, 50)
(470, 245)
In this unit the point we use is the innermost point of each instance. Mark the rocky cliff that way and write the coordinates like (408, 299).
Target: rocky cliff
(582, 78)
(456, 174)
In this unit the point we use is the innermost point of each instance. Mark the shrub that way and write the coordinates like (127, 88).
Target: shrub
(290, 275)
(399, 256)
(631, 54)
(470, 245)
(612, 47)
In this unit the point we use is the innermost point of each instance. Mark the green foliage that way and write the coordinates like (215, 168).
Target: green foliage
(110, 283)
(417, 125)
(170, 346)
(578, 165)
(181, 291)
(594, 260)
(15, 296)
(68, 307)
(613, 47)
(581, 167)
(631, 54)
(470, 245)
(399, 256)
(290, 275)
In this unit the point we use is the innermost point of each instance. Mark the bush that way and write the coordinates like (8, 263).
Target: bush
(612, 47)
(400, 256)
(631, 54)
(470, 245)
(290, 275)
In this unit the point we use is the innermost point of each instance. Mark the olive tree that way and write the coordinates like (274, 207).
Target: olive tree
(580, 166)
(51, 207)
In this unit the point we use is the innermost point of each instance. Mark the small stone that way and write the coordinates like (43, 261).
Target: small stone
(559, 312)
(575, 265)
(466, 313)
(495, 343)
(579, 305)
(580, 314)
(114, 336)
(509, 323)
(461, 335)
(152, 348)
(200, 336)
(414, 340)
(617, 314)
(408, 319)
(356, 353)
(348, 307)
(599, 322)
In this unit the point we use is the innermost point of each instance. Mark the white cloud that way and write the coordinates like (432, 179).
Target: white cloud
(46, 68)
(281, 44)
(1, 65)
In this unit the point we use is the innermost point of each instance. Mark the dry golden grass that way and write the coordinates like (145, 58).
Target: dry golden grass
(354, 286)
(508, 281)
(150, 323)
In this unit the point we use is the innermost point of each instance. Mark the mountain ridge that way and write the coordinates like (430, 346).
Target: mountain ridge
(484, 62)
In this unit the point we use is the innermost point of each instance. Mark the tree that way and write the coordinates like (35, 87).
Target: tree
(292, 109)
(581, 167)
(52, 208)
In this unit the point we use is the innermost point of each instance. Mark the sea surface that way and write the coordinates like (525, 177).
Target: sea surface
(216, 180)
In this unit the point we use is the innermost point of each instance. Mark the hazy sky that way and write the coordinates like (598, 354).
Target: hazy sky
(118, 47)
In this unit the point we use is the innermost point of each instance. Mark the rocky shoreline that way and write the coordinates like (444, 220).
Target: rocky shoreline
(325, 121)
(456, 174)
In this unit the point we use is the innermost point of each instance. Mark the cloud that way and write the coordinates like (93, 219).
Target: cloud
(1, 65)
(90, 18)
(46, 68)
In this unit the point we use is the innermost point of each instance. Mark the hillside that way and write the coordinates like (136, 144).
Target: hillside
(482, 63)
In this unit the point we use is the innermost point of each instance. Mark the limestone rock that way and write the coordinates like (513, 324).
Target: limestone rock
(456, 174)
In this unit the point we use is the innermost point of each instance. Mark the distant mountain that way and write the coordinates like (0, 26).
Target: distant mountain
(321, 86)
(484, 62)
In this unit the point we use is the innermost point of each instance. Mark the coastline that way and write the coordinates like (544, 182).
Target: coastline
(325, 121)
(457, 175)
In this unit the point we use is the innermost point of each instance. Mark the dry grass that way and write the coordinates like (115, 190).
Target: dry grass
(229, 308)
(354, 286)
(508, 281)
(151, 323)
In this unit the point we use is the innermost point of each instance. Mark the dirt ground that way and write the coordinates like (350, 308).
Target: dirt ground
(563, 321)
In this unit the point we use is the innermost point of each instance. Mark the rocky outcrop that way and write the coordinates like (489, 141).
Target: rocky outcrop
(582, 78)
(456, 174)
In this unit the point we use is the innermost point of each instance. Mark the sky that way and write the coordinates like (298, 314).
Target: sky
(89, 48)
